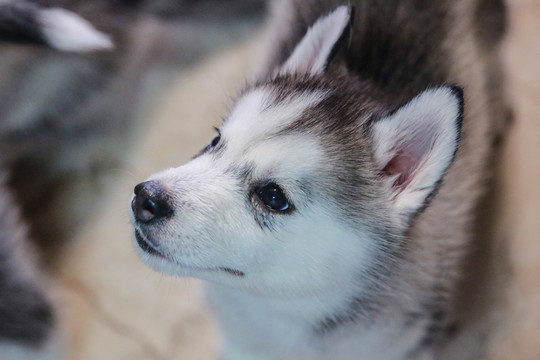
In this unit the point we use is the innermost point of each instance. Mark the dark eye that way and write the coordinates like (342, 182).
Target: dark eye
(215, 141)
(274, 198)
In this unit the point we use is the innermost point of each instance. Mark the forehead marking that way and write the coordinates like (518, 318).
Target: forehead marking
(257, 116)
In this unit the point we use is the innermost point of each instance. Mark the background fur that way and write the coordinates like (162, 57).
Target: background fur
(26, 312)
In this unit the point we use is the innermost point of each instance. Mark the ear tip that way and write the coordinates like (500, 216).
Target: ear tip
(455, 90)
(348, 9)
(352, 12)
(458, 93)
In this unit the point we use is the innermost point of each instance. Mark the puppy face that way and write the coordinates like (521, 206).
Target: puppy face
(260, 207)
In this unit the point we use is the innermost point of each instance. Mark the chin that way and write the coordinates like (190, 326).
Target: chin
(161, 264)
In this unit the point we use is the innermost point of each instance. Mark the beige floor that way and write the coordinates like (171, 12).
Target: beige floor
(114, 308)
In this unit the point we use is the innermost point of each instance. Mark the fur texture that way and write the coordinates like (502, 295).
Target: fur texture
(27, 22)
(333, 209)
(26, 312)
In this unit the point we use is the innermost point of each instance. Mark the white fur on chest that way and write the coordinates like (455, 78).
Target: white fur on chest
(252, 326)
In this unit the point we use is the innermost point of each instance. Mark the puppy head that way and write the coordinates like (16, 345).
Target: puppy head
(309, 183)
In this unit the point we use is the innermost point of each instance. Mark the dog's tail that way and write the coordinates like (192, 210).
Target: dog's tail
(23, 21)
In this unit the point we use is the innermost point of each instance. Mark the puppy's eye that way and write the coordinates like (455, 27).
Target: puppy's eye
(274, 198)
(215, 141)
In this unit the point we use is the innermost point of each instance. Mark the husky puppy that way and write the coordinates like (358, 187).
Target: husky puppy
(330, 214)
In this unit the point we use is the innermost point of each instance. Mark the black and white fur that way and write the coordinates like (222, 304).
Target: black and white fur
(330, 215)
(28, 328)
(27, 22)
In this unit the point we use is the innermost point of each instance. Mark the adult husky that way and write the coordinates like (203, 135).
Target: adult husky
(331, 212)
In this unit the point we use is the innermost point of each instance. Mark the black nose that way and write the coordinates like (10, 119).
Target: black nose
(150, 202)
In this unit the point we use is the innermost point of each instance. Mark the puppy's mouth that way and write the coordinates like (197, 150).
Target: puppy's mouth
(150, 248)
(232, 271)
(146, 246)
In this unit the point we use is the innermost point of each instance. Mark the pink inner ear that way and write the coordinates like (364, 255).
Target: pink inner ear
(407, 159)
(399, 166)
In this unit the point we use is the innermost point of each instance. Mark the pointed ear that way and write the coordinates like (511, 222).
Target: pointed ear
(321, 43)
(415, 145)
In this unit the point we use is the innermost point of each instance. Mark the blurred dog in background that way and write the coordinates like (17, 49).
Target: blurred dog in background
(26, 311)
